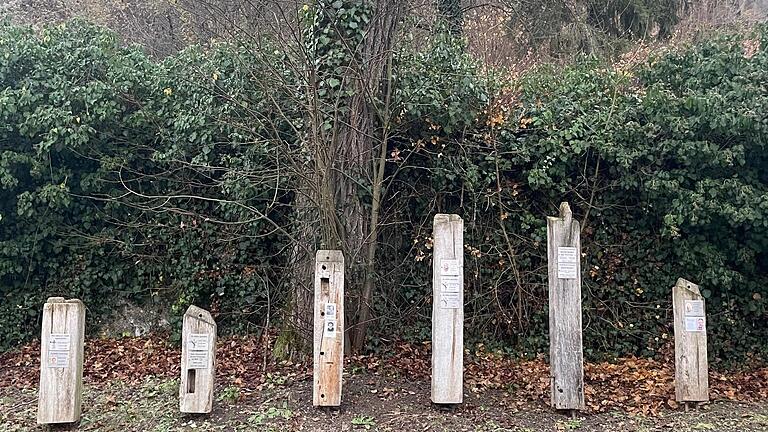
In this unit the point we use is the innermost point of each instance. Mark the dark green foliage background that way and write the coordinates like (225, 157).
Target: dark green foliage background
(666, 165)
(84, 121)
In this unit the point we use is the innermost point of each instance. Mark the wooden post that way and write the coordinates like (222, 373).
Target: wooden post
(198, 361)
(691, 368)
(448, 310)
(329, 328)
(565, 350)
(61, 361)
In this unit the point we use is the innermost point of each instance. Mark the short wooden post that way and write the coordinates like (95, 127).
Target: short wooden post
(61, 361)
(691, 368)
(448, 310)
(565, 350)
(329, 328)
(198, 361)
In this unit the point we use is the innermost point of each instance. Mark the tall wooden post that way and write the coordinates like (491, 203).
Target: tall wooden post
(448, 310)
(329, 328)
(691, 368)
(565, 347)
(61, 361)
(198, 361)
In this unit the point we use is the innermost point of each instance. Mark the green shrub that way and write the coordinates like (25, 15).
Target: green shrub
(127, 178)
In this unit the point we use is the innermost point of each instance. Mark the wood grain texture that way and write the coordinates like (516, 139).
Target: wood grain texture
(565, 341)
(328, 346)
(447, 323)
(691, 367)
(61, 388)
(197, 385)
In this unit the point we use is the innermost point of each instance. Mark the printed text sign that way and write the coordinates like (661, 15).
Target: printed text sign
(567, 263)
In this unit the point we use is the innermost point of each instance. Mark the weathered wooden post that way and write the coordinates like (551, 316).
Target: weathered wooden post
(198, 361)
(61, 361)
(448, 310)
(691, 368)
(565, 351)
(329, 328)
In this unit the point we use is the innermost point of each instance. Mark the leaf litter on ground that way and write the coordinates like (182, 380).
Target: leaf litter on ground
(633, 385)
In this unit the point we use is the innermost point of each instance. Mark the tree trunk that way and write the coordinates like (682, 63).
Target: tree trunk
(295, 338)
(348, 161)
(377, 63)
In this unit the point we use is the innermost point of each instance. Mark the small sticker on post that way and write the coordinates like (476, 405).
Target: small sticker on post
(695, 324)
(58, 359)
(450, 267)
(450, 300)
(329, 330)
(694, 308)
(330, 311)
(450, 283)
(567, 263)
(197, 360)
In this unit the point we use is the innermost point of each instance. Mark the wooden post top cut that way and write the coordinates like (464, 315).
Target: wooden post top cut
(565, 212)
(688, 285)
(564, 215)
(329, 256)
(63, 300)
(442, 217)
(200, 314)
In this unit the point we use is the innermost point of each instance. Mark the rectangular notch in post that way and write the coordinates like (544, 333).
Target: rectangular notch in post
(325, 286)
(325, 290)
(191, 381)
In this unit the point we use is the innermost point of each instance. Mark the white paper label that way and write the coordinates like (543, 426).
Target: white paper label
(450, 283)
(450, 300)
(329, 330)
(694, 308)
(567, 255)
(450, 267)
(567, 263)
(197, 360)
(567, 270)
(198, 342)
(695, 324)
(59, 342)
(330, 311)
(58, 359)
(58, 350)
(198, 347)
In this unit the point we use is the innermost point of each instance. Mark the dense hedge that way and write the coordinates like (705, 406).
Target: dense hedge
(84, 122)
(666, 166)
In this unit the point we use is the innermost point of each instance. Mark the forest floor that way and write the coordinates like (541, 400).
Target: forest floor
(131, 385)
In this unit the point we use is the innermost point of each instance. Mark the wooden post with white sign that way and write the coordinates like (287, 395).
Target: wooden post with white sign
(61, 361)
(566, 358)
(691, 368)
(448, 310)
(329, 328)
(198, 361)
